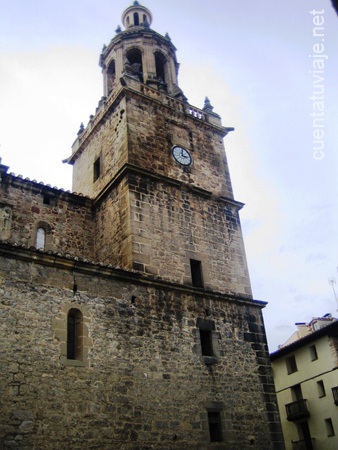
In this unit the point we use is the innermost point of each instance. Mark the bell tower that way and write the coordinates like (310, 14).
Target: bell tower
(156, 169)
(128, 319)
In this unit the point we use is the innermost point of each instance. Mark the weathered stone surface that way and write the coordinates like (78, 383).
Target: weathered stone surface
(146, 383)
(130, 324)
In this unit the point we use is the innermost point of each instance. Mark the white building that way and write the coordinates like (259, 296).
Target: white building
(306, 380)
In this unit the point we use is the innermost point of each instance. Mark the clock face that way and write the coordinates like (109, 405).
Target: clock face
(181, 155)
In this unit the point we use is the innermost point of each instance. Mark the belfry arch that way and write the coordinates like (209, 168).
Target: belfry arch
(134, 58)
(161, 67)
(111, 75)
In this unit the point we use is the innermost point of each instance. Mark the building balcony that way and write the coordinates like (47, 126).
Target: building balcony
(297, 410)
(335, 395)
(307, 444)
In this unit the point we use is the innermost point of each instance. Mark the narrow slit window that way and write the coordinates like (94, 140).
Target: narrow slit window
(215, 426)
(136, 19)
(74, 334)
(191, 140)
(196, 273)
(46, 200)
(206, 342)
(40, 239)
(97, 169)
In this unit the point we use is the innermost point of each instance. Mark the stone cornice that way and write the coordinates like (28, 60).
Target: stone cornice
(145, 92)
(95, 269)
(131, 169)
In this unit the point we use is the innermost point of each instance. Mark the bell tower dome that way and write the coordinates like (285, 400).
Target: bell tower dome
(136, 15)
(141, 53)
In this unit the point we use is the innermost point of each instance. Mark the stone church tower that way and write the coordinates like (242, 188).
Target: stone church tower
(127, 318)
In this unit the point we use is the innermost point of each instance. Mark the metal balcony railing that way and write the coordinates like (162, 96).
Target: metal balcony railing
(297, 410)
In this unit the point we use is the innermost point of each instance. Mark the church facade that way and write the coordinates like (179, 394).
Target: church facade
(127, 318)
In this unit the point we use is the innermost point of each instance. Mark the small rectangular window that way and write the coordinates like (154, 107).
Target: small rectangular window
(321, 388)
(46, 200)
(196, 273)
(206, 342)
(97, 169)
(329, 427)
(296, 392)
(206, 329)
(291, 364)
(215, 426)
(313, 353)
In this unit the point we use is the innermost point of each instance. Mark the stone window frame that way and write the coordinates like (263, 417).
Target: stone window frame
(211, 408)
(196, 273)
(48, 235)
(204, 266)
(40, 238)
(74, 334)
(97, 169)
(215, 432)
(61, 330)
(208, 326)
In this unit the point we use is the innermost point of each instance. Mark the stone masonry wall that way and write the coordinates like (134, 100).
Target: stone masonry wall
(67, 218)
(141, 130)
(113, 241)
(154, 128)
(172, 225)
(107, 141)
(146, 384)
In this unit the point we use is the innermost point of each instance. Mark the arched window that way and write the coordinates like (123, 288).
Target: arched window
(110, 76)
(160, 62)
(136, 19)
(40, 238)
(134, 57)
(72, 327)
(74, 334)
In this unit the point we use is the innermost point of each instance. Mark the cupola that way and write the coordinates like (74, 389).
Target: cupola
(139, 53)
(136, 15)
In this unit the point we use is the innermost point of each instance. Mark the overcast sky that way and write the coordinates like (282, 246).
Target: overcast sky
(270, 70)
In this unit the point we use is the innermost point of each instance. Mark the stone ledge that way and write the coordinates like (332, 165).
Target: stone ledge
(97, 269)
